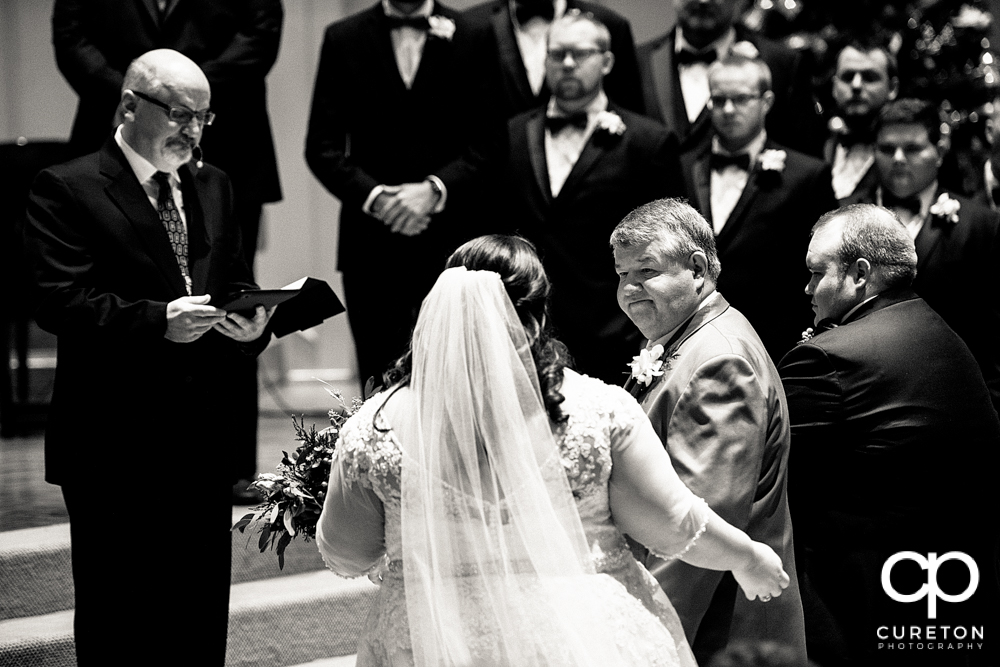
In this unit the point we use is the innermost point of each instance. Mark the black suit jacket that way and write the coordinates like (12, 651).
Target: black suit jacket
(366, 128)
(762, 246)
(613, 175)
(491, 57)
(105, 271)
(235, 42)
(892, 428)
(791, 121)
(958, 274)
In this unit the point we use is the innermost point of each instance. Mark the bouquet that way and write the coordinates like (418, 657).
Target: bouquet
(294, 496)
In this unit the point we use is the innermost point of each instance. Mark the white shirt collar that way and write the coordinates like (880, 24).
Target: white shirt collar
(143, 168)
(559, 8)
(707, 301)
(720, 45)
(424, 9)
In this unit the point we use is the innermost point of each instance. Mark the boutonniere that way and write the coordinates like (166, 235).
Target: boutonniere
(442, 27)
(807, 336)
(611, 123)
(647, 365)
(946, 208)
(772, 160)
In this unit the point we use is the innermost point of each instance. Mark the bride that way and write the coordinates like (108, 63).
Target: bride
(489, 490)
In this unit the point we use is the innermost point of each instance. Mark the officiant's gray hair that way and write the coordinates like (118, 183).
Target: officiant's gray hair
(876, 234)
(674, 222)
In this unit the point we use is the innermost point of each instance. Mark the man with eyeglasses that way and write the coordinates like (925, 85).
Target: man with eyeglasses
(574, 168)
(132, 248)
(236, 45)
(759, 196)
(865, 81)
(957, 239)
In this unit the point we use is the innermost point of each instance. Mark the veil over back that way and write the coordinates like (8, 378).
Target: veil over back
(496, 566)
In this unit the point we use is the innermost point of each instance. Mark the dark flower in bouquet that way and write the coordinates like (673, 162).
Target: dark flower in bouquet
(293, 497)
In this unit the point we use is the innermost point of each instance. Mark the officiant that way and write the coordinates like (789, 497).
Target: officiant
(130, 247)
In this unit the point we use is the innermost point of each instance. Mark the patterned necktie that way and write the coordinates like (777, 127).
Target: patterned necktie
(172, 223)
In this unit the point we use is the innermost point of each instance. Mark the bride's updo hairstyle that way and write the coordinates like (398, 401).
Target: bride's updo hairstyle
(516, 261)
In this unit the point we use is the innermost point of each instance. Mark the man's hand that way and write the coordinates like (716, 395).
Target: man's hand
(189, 317)
(406, 208)
(242, 329)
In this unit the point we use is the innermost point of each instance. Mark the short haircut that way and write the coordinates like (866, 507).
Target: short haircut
(673, 222)
(575, 16)
(735, 58)
(871, 45)
(875, 234)
(142, 77)
(910, 111)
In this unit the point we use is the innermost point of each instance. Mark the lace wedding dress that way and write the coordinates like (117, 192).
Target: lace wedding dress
(605, 449)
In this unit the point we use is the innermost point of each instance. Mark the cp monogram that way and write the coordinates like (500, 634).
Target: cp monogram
(930, 590)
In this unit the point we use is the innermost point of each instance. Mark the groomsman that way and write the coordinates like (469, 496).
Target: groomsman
(892, 434)
(504, 46)
(385, 137)
(957, 239)
(865, 81)
(720, 411)
(573, 169)
(674, 71)
(760, 198)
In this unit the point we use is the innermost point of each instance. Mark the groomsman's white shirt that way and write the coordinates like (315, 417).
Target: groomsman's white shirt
(694, 77)
(727, 184)
(533, 42)
(563, 150)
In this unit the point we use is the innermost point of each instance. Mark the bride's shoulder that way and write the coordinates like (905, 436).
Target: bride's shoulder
(366, 441)
(583, 392)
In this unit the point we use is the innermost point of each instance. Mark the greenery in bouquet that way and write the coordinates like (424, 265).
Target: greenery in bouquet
(293, 497)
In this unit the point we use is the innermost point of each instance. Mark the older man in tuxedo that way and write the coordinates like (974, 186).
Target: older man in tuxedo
(892, 429)
(865, 80)
(573, 169)
(720, 410)
(132, 248)
(674, 71)
(759, 196)
(386, 138)
(957, 239)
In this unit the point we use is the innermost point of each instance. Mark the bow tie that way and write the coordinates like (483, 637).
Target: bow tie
(911, 203)
(529, 9)
(557, 124)
(718, 161)
(418, 22)
(685, 57)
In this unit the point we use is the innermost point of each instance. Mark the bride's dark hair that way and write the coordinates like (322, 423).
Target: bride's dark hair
(528, 287)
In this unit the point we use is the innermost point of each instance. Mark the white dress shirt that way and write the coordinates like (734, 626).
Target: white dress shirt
(144, 171)
(408, 42)
(850, 166)
(564, 149)
(727, 184)
(694, 77)
(532, 42)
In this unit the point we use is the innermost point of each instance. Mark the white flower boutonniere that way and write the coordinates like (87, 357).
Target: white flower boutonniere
(807, 335)
(647, 365)
(773, 160)
(946, 207)
(442, 27)
(612, 123)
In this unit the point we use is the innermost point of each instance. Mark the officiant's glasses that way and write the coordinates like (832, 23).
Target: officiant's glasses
(180, 115)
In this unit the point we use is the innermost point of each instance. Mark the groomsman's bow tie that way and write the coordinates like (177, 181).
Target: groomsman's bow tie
(418, 22)
(911, 203)
(556, 124)
(529, 9)
(685, 57)
(718, 161)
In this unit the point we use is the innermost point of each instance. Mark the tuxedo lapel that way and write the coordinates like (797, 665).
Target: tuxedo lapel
(667, 87)
(928, 238)
(701, 317)
(152, 9)
(384, 55)
(598, 144)
(198, 245)
(701, 183)
(124, 189)
(535, 132)
(735, 218)
(515, 78)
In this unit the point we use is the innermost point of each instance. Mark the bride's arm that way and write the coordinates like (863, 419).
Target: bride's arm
(651, 504)
(351, 530)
